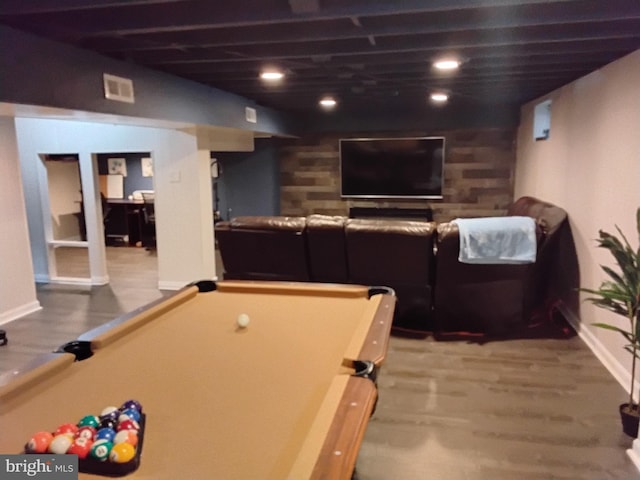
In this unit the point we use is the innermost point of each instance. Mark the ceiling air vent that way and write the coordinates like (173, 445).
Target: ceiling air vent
(118, 88)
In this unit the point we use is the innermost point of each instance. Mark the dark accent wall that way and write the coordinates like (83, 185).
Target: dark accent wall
(134, 179)
(478, 175)
(249, 182)
(37, 71)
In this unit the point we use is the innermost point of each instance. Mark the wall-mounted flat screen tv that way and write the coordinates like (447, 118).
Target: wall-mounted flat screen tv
(392, 167)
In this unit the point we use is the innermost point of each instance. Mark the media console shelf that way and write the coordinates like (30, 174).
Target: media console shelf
(425, 214)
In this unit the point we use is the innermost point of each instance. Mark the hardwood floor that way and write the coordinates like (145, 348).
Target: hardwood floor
(525, 410)
(69, 310)
(505, 410)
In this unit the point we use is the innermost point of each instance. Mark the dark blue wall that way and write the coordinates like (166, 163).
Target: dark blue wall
(37, 71)
(249, 183)
(134, 179)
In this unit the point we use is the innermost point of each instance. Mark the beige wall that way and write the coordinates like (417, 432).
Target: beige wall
(65, 195)
(590, 165)
(17, 288)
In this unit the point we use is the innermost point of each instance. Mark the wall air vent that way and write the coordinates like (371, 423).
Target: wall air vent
(250, 115)
(118, 88)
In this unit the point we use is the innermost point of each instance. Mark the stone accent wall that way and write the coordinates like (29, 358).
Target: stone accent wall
(478, 176)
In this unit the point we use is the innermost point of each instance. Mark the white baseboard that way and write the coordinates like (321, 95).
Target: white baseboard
(615, 368)
(609, 361)
(21, 311)
(634, 453)
(70, 281)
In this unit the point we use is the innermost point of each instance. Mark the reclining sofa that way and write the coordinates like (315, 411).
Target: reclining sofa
(498, 299)
(419, 260)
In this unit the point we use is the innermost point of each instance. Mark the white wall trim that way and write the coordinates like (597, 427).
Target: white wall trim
(93, 281)
(599, 350)
(41, 278)
(20, 311)
(70, 281)
(634, 453)
(609, 361)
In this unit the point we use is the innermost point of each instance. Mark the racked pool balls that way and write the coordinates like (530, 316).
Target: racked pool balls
(106, 434)
(109, 412)
(89, 420)
(130, 413)
(39, 443)
(122, 453)
(66, 428)
(86, 432)
(81, 447)
(108, 422)
(128, 425)
(126, 436)
(61, 443)
(134, 404)
(100, 449)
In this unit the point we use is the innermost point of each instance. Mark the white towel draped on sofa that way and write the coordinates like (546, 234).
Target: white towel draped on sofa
(490, 240)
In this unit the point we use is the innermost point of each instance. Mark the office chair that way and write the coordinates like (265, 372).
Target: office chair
(149, 216)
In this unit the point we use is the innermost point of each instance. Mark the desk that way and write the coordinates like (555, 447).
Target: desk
(124, 222)
(275, 400)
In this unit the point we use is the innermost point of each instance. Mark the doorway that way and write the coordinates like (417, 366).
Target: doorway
(64, 220)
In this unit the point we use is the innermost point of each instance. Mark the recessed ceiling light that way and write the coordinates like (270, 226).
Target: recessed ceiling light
(439, 97)
(328, 102)
(271, 75)
(446, 64)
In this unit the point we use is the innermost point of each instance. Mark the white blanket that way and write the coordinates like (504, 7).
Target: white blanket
(497, 240)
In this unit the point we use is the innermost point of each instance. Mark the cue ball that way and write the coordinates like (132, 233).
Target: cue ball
(243, 320)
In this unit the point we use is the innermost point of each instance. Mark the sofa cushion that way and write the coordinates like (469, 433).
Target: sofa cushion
(327, 248)
(264, 248)
(398, 254)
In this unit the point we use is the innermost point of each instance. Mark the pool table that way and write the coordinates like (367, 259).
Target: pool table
(277, 399)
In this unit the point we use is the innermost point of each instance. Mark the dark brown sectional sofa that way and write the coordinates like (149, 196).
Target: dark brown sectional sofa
(419, 260)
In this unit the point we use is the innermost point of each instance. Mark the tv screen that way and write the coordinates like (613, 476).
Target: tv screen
(392, 167)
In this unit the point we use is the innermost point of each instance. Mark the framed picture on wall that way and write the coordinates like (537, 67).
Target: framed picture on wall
(117, 166)
(147, 166)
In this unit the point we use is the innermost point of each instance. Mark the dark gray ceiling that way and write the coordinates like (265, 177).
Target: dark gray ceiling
(370, 54)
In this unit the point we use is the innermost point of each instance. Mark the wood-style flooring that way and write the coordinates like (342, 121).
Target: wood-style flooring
(505, 410)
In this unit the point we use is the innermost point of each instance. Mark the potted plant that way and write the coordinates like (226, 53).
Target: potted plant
(620, 294)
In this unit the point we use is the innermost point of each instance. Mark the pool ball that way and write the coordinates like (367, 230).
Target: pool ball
(86, 432)
(66, 428)
(134, 404)
(243, 320)
(100, 449)
(60, 443)
(131, 413)
(108, 422)
(81, 447)
(126, 436)
(128, 425)
(106, 434)
(89, 420)
(122, 453)
(107, 411)
(39, 443)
